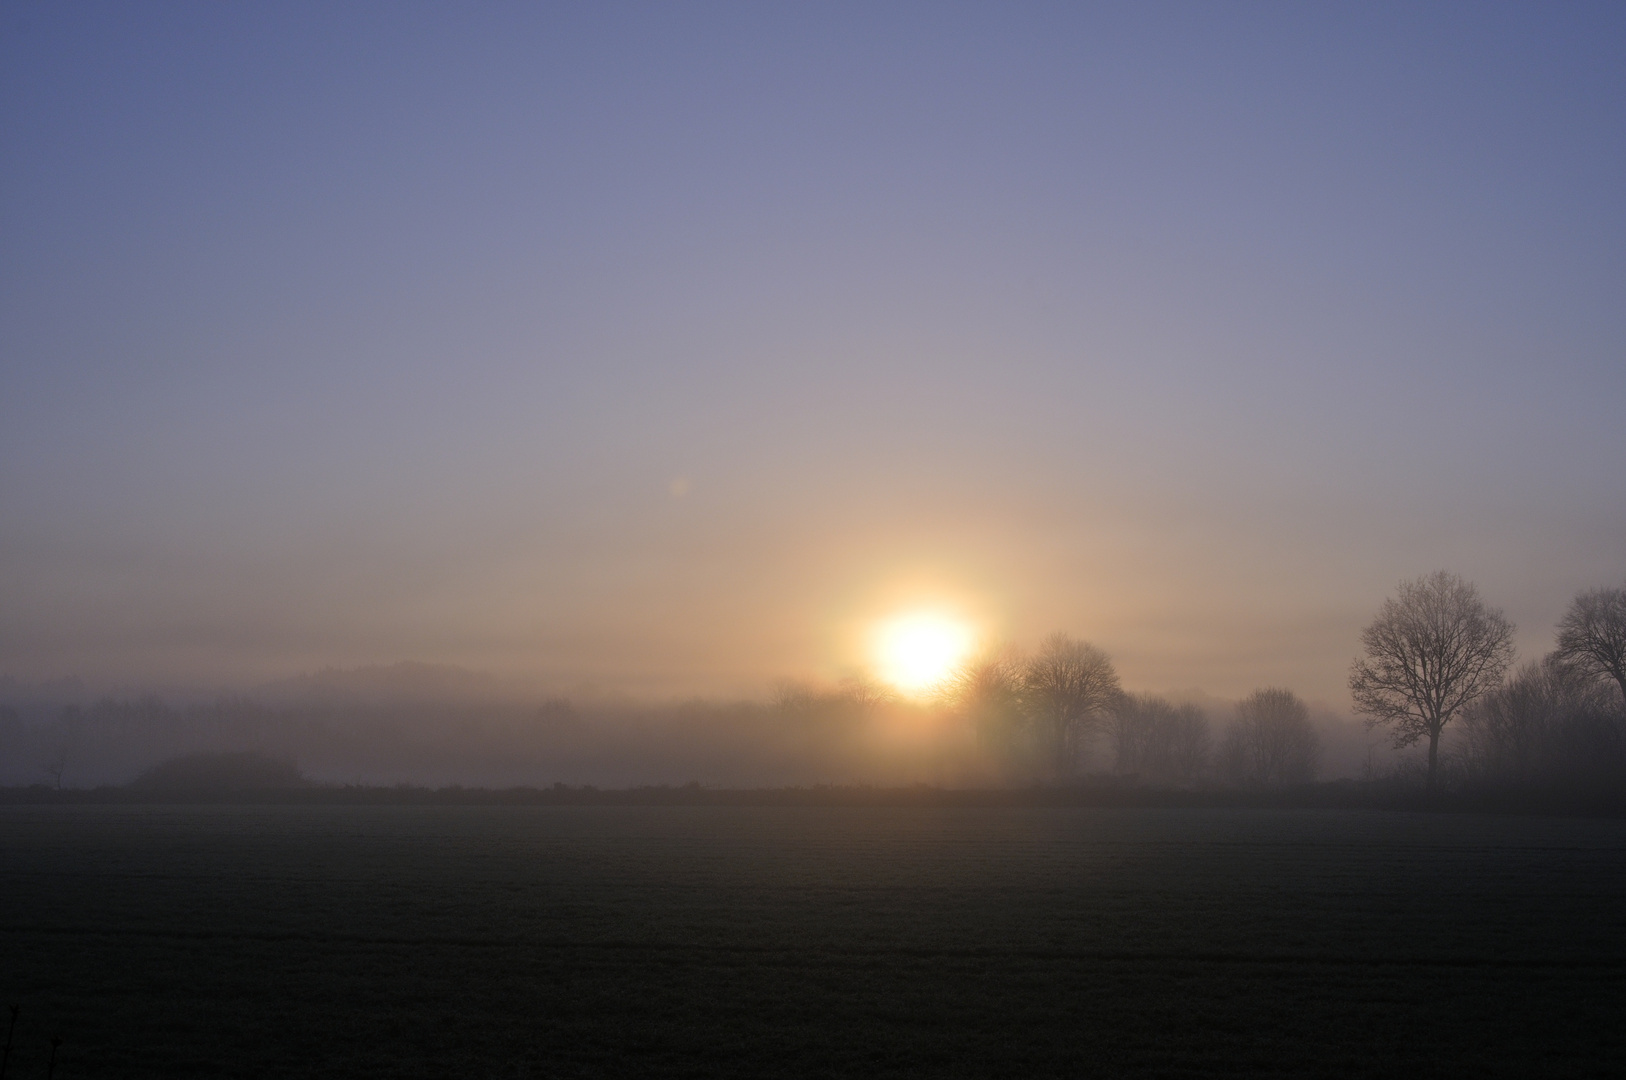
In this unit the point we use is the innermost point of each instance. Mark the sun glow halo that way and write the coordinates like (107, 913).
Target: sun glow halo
(916, 651)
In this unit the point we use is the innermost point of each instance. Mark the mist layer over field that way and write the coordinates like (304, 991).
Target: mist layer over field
(435, 726)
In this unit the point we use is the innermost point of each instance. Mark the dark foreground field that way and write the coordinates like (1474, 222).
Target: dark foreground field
(758, 941)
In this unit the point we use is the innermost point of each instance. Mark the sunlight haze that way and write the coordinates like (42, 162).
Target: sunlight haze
(909, 539)
(915, 652)
(660, 351)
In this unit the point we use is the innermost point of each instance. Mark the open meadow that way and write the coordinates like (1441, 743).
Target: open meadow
(450, 941)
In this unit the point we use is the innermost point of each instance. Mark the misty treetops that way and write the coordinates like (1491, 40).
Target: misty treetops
(1062, 711)
(1436, 672)
(1436, 653)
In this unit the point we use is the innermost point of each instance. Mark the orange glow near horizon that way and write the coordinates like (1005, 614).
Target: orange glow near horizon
(916, 651)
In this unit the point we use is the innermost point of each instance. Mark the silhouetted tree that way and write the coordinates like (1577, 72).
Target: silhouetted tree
(1271, 740)
(863, 692)
(1153, 737)
(987, 693)
(1134, 730)
(66, 735)
(1592, 635)
(1185, 745)
(1549, 724)
(56, 765)
(1067, 688)
(1433, 648)
(791, 696)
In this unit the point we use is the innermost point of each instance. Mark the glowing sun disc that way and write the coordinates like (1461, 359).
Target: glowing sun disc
(915, 652)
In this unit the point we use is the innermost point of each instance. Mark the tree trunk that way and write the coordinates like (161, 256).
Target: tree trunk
(1433, 758)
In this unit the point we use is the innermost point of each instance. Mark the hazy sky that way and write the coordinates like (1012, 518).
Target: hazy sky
(667, 346)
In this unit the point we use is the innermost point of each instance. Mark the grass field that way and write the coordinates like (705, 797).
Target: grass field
(812, 941)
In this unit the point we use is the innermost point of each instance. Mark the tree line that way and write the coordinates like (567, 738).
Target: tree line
(1049, 716)
(1436, 671)
(1437, 653)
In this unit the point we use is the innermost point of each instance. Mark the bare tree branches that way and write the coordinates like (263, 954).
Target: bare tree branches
(1592, 635)
(863, 692)
(1550, 724)
(1067, 687)
(1271, 740)
(62, 753)
(1433, 648)
(987, 693)
(1155, 738)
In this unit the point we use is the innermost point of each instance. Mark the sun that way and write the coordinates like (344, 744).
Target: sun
(918, 650)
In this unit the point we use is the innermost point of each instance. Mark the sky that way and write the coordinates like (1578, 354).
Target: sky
(664, 349)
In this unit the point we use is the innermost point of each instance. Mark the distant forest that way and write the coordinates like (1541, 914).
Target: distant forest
(1058, 716)
(851, 733)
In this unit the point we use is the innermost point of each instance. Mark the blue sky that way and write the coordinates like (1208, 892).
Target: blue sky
(663, 347)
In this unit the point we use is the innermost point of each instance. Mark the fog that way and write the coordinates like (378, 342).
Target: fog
(633, 539)
(439, 725)
(660, 356)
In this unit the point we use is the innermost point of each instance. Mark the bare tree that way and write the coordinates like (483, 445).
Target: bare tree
(56, 765)
(1132, 730)
(1152, 737)
(66, 738)
(863, 692)
(987, 693)
(1549, 723)
(1271, 740)
(791, 696)
(1592, 635)
(1188, 743)
(1067, 687)
(1433, 648)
